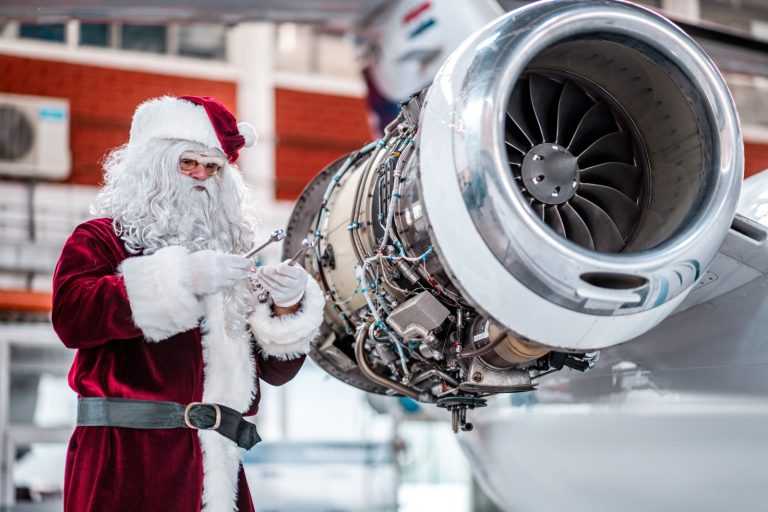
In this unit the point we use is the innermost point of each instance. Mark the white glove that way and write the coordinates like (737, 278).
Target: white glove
(212, 271)
(284, 282)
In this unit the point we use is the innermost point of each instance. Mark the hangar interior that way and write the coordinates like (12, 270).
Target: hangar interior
(70, 78)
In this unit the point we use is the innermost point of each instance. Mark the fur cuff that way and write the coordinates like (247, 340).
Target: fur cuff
(161, 301)
(288, 336)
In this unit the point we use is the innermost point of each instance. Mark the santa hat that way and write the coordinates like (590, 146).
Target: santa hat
(200, 119)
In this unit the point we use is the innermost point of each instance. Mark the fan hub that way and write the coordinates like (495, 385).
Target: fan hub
(550, 173)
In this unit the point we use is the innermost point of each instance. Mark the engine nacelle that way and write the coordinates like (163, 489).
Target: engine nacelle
(558, 189)
(568, 115)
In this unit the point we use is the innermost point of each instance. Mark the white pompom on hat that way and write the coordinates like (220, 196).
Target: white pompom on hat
(248, 132)
(200, 119)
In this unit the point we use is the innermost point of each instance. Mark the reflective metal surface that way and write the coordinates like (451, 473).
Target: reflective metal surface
(519, 267)
(675, 420)
(674, 453)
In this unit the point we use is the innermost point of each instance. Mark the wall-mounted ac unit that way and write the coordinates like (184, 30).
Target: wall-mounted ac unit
(34, 137)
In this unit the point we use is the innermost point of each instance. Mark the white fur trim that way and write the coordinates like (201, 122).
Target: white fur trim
(162, 305)
(172, 118)
(161, 301)
(221, 465)
(229, 361)
(229, 378)
(248, 132)
(289, 336)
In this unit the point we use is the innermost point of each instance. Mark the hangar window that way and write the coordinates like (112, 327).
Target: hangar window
(202, 40)
(144, 38)
(42, 31)
(94, 34)
(307, 49)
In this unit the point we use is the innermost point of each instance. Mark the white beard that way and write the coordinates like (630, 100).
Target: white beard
(197, 220)
(198, 217)
(199, 224)
(153, 205)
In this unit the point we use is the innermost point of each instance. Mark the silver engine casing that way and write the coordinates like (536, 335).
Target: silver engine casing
(467, 226)
(537, 289)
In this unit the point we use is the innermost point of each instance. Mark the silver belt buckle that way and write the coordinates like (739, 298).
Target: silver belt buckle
(216, 423)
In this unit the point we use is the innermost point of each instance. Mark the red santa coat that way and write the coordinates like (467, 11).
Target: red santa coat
(136, 326)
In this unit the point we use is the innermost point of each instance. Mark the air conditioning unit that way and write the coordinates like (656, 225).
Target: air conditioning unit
(34, 137)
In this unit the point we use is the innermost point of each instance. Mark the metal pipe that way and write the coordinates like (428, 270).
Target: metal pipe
(362, 363)
(402, 159)
(409, 274)
(432, 373)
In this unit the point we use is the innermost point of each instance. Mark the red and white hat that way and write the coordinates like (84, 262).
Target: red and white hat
(200, 119)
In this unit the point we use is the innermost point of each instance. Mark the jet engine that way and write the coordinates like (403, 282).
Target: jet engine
(558, 189)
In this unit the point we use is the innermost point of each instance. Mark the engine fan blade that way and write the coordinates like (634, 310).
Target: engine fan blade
(571, 107)
(614, 147)
(514, 156)
(624, 177)
(603, 214)
(518, 111)
(597, 122)
(554, 220)
(576, 229)
(544, 95)
(604, 231)
(622, 210)
(512, 141)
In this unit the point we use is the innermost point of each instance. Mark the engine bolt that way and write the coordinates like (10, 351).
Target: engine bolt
(537, 157)
(477, 377)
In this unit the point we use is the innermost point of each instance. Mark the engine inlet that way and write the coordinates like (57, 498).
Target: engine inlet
(573, 155)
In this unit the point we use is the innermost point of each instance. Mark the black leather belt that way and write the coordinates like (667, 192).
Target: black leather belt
(152, 414)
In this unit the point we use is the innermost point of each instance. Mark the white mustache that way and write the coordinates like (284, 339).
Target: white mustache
(208, 186)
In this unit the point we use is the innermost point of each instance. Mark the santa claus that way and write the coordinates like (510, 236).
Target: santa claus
(171, 340)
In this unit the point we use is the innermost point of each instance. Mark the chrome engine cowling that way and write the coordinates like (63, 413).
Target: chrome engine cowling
(558, 189)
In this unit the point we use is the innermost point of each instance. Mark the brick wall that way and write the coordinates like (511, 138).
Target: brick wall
(101, 101)
(755, 158)
(311, 131)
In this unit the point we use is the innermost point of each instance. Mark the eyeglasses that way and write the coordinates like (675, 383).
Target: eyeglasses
(212, 165)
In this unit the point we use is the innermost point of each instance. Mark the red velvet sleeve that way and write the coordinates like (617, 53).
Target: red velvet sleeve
(276, 371)
(90, 303)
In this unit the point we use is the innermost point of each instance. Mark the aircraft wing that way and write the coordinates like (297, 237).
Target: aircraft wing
(743, 256)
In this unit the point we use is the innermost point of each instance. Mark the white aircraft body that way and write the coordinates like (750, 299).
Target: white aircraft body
(672, 420)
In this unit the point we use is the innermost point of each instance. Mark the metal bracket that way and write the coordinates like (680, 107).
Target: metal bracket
(458, 406)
